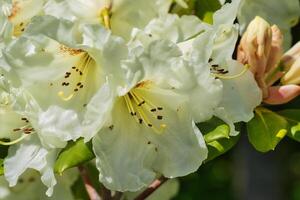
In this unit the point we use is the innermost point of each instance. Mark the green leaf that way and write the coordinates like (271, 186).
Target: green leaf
(206, 8)
(74, 154)
(266, 129)
(219, 147)
(179, 10)
(293, 118)
(3, 154)
(222, 131)
(216, 134)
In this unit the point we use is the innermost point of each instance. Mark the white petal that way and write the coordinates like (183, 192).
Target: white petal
(174, 28)
(22, 11)
(224, 43)
(57, 126)
(166, 152)
(227, 13)
(30, 154)
(241, 95)
(98, 111)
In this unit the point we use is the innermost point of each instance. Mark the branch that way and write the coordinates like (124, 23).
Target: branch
(93, 194)
(152, 188)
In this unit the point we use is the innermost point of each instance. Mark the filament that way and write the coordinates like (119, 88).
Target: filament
(14, 141)
(246, 67)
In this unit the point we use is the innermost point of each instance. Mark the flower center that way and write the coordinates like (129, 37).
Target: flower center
(75, 78)
(144, 110)
(19, 28)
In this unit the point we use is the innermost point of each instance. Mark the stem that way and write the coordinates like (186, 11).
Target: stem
(118, 196)
(152, 188)
(105, 193)
(93, 194)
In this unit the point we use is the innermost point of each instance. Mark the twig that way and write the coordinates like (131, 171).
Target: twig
(117, 196)
(105, 193)
(153, 187)
(93, 194)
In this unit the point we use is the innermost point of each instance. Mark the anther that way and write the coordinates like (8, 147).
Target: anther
(153, 110)
(159, 117)
(140, 121)
(159, 108)
(143, 102)
(133, 113)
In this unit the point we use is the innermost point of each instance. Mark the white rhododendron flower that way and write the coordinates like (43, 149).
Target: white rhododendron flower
(151, 119)
(36, 135)
(211, 46)
(26, 150)
(71, 69)
(133, 84)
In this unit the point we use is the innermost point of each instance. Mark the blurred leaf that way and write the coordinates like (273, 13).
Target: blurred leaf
(206, 8)
(219, 147)
(78, 190)
(3, 154)
(222, 131)
(216, 134)
(179, 10)
(73, 155)
(293, 118)
(1, 167)
(266, 129)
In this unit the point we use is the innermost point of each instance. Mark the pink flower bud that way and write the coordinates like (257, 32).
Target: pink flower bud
(282, 94)
(291, 62)
(254, 49)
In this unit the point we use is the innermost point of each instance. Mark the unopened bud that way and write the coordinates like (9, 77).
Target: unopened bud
(293, 74)
(282, 94)
(254, 49)
(291, 56)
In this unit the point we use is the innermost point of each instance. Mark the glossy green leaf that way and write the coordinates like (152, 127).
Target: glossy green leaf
(216, 134)
(293, 118)
(220, 132)
(266, 129)
(219, 147)
(73, 155)
(206, 8)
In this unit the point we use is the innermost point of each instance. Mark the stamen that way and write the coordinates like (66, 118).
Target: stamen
(105, 14)
(80, 71)
(141, 106)
(14, 141)
(246, 67)
(129, 105)
(61, 94)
